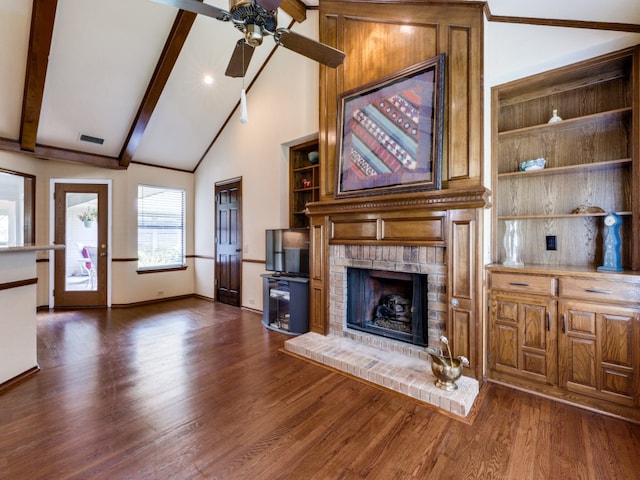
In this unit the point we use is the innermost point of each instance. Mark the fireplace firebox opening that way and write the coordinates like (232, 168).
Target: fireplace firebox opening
(388, 303)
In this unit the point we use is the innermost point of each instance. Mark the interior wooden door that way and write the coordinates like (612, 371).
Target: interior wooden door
(81, 224)
(228, 274)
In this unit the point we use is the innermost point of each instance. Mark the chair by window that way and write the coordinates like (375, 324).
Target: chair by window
(88, 263)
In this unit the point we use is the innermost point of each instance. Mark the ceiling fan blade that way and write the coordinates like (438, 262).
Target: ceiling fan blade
(240, 58)
(269, 4)
(198, 7)
(317, 51)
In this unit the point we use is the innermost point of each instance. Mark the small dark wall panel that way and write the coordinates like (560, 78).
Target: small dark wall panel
(427, 229)
(354, 230)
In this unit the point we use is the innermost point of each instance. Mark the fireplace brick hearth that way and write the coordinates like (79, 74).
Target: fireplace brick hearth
(397, 370)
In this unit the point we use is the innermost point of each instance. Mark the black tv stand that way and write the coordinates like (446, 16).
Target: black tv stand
(285, 303)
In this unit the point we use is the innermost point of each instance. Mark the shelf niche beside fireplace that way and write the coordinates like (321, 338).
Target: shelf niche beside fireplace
(388, 303)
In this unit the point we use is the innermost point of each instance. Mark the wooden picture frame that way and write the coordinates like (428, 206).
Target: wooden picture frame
(391, 133)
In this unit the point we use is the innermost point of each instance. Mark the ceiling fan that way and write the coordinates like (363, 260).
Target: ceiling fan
(257, 19)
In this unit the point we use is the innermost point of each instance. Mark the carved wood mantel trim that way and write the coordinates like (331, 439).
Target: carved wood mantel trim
(450, 199)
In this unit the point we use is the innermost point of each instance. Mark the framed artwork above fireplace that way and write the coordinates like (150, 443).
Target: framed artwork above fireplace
(391, 133)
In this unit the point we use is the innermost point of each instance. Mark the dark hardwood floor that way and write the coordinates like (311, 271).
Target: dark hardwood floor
(190, 389)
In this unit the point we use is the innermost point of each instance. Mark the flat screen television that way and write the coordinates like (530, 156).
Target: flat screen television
(287, 251)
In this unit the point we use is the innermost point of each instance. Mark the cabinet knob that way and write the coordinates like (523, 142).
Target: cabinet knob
(454, 302)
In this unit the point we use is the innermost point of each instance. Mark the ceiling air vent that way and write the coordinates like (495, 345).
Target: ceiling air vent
(90, 139)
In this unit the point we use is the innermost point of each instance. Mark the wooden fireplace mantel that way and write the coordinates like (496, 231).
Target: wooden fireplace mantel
(449, 199)
(414, 219)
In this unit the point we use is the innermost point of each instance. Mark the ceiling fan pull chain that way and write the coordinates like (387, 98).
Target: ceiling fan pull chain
(244, 115)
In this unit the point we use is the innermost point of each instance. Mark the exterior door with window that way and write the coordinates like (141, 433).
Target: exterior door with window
(229, 241)
(81, 224)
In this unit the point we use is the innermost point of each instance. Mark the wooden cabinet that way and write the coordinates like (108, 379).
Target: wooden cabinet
(557, 324)
(572, 334)
(523, 328)
(304, 181)
(590, 156)
(599, 340)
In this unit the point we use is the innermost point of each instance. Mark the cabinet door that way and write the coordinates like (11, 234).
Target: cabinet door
(523, 336)
(318, 305)
(599, 351)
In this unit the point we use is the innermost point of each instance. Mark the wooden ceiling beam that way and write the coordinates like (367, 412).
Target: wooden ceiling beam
(43, 16)
(61, 154)
(172, 48)
(295, 9)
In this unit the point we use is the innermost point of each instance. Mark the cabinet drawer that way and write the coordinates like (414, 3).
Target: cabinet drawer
(599, 290)
(512, 282)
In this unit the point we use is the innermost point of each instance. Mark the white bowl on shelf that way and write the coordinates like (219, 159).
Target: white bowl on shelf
(531, 165)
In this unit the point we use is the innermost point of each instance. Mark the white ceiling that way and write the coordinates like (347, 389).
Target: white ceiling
(104, 52)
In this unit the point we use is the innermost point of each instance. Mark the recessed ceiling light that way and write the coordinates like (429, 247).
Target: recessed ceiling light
(207, 79)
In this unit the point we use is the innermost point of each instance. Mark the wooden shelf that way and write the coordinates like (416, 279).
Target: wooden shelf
(308, 168)
(591, 159)
(302, 170)
(571, 123)
(558, 215)
(584, 167)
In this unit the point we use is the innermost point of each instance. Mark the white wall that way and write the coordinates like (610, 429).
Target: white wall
(127, 286)
(283, 106)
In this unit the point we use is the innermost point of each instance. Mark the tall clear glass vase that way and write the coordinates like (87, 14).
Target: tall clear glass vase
(512, 242)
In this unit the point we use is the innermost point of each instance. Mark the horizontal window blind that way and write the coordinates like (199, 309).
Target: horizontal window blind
(161, 213)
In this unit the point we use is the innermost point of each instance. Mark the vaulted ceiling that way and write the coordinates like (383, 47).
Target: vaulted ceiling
(130, 72)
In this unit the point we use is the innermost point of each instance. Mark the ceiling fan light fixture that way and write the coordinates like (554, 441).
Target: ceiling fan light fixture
(257, 19)
(253, 35)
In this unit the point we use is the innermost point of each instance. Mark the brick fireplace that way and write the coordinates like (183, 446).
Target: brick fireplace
(435, 233)
(392, 363)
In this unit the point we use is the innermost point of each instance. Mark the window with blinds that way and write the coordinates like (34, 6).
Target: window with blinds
(161, 213)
